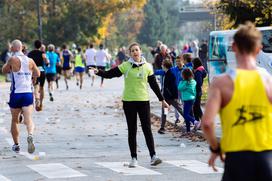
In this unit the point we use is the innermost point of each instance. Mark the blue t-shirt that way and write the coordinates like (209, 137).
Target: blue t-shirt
(53, 60)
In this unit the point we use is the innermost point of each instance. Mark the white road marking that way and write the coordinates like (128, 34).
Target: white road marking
(55, 170)
(195, 166)
(2, 178)
(121, 168)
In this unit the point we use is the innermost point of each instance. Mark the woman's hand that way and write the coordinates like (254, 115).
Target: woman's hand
(164, 104)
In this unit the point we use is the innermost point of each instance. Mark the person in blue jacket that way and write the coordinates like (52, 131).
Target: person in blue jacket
(176, 71)
(170, 93)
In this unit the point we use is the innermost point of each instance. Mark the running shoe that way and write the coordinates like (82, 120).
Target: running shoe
(31, 146)
(133, 163)
(16, 148)
(155, 160)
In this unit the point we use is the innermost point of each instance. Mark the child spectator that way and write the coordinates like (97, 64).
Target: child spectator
(188, 89)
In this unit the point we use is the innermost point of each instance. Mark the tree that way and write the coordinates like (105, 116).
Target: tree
(160, 22)
(63, 21)
(240, 11)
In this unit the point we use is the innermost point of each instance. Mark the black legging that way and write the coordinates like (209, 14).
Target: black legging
(197, 108)
(142, 108)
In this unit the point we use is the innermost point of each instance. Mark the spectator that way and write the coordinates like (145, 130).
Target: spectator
(199, 74)
(173, 55)
(121, 56)
(195, 49)
(170, 92)
(203, 53)
(187, 88)
(187, 58)
(157, 50)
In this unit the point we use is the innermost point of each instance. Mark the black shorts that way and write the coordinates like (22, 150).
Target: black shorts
(66, 68)
(40, 80)
(101, 67)
(248, 166)
(59, 69)
(50, 77)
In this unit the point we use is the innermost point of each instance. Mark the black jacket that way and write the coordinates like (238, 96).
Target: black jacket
(170, 90)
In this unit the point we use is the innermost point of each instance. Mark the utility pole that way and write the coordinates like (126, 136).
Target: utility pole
(39, 19)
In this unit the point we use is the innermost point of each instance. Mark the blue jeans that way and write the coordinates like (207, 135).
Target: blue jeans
(187, 108)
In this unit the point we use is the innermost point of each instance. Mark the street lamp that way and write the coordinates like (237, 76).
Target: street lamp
(39, 20)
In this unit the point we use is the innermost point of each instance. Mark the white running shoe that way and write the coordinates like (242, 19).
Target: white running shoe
(133, 163)
(155, 160)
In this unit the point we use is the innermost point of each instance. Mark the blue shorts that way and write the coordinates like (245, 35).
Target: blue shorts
(19, 100)
(79, 69)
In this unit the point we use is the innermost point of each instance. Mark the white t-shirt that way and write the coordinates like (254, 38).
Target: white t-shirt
(90, 56)
(101, 58)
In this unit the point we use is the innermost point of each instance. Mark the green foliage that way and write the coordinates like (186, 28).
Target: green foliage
(240, 11)
(160, 22)
(63, 21)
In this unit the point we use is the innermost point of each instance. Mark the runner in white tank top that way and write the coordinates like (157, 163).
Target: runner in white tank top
(22, 69)
(22, 80)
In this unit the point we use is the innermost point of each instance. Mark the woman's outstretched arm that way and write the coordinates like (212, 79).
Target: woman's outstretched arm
(115, 72)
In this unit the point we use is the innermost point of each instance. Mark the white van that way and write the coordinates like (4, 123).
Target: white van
(221, 56)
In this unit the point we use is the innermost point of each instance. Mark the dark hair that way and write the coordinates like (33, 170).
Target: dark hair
(101, 46)
(78, 49)
(91, 45)
(187, 57)
(64, 46)
(37, 44)
(247, 38)
(167, 63)
(187, 74)
(197, 63)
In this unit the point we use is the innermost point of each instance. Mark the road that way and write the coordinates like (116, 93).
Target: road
(82, 135)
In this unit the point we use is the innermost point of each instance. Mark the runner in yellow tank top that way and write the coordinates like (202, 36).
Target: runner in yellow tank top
(243, 97)
(79, 67)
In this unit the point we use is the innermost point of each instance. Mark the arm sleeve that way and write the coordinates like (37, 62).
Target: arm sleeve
(115, 72)
(155, 87)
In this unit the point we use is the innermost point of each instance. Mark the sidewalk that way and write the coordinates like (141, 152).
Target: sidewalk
(156, 111)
